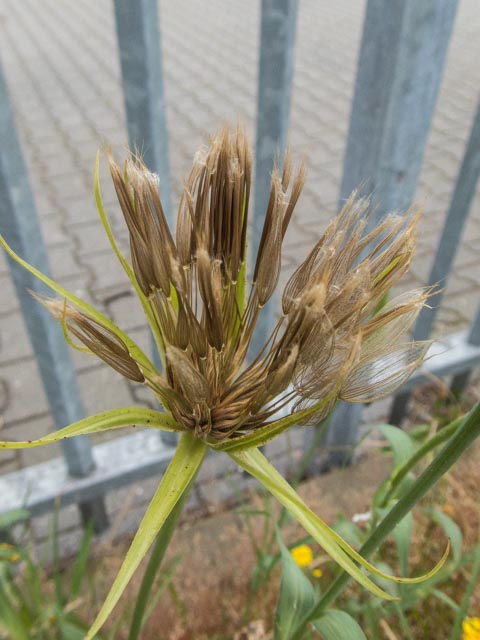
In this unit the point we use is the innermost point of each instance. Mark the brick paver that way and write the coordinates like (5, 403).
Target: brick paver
(62, 68)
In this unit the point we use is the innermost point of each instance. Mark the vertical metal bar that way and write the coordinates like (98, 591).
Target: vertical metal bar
(401, 59)
(460, 381)
(277, 42)
(139, 44)
(19, 224)
(457, 214)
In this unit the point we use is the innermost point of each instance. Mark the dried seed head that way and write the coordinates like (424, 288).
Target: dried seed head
(279, 212)
(213, 212)
(151, 243)
(331, 342)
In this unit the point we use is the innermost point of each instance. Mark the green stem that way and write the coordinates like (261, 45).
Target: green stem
(154, 562)
(465, 435)
(403, 621)
(439, 438)
(176, 480)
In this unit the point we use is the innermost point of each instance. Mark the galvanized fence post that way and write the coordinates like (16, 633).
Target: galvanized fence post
(277, 44)
(399, 71)
(460, 381)
(19, 224)
(139, 44)
(457, 215)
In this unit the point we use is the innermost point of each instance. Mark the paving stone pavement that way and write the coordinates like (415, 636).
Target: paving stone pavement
(61, 63)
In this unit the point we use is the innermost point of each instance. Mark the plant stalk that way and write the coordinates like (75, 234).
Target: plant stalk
(156, 557)
(466, 434)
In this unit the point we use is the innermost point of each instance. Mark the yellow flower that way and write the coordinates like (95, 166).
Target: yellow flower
(317, 573)
(471, 629)
(302, 555)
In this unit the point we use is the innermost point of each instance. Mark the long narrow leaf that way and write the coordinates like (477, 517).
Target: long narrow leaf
(402, 471)
(258, 466)
(111, 419)
(338, 625)
(178, 476)
(154, 562)
(80, 565)
(401, 443)
(296, 597)
(87, 309)
(464, 436)
(322, 533)
(468, 593)
(9, 619)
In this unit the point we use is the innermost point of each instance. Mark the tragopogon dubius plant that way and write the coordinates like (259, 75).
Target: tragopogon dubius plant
(331, 342)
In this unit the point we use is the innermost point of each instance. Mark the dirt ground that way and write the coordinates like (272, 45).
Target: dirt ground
(216, 558)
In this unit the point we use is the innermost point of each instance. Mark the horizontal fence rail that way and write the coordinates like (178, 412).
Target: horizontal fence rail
(402, 54)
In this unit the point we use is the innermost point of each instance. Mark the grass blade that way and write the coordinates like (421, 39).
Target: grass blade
(258, 466)
(111, 419)
(472, 583)
(178, 476)
(338, 625)
(80, 564)
(296, 596)
(154, 562)
(322, 533)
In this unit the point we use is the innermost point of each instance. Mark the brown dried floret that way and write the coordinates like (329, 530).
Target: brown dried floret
(331, 342)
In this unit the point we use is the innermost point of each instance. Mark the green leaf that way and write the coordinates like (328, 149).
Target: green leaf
(9, 619)
(87, 309)
(111, 419)
(154, 562)
(71, 630)
(14, 516)
(445, 599)
(338, 549)
(402, 534)
(402, 445)
(401, 472)
(258, 466)
(349, 531)
(452, 531)
(80, 564)
(338, 625)
(177, 478)
(296, 596)
(468, 593)
(464, 435)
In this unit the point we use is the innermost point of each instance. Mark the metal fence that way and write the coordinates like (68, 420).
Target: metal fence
(401, 60)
